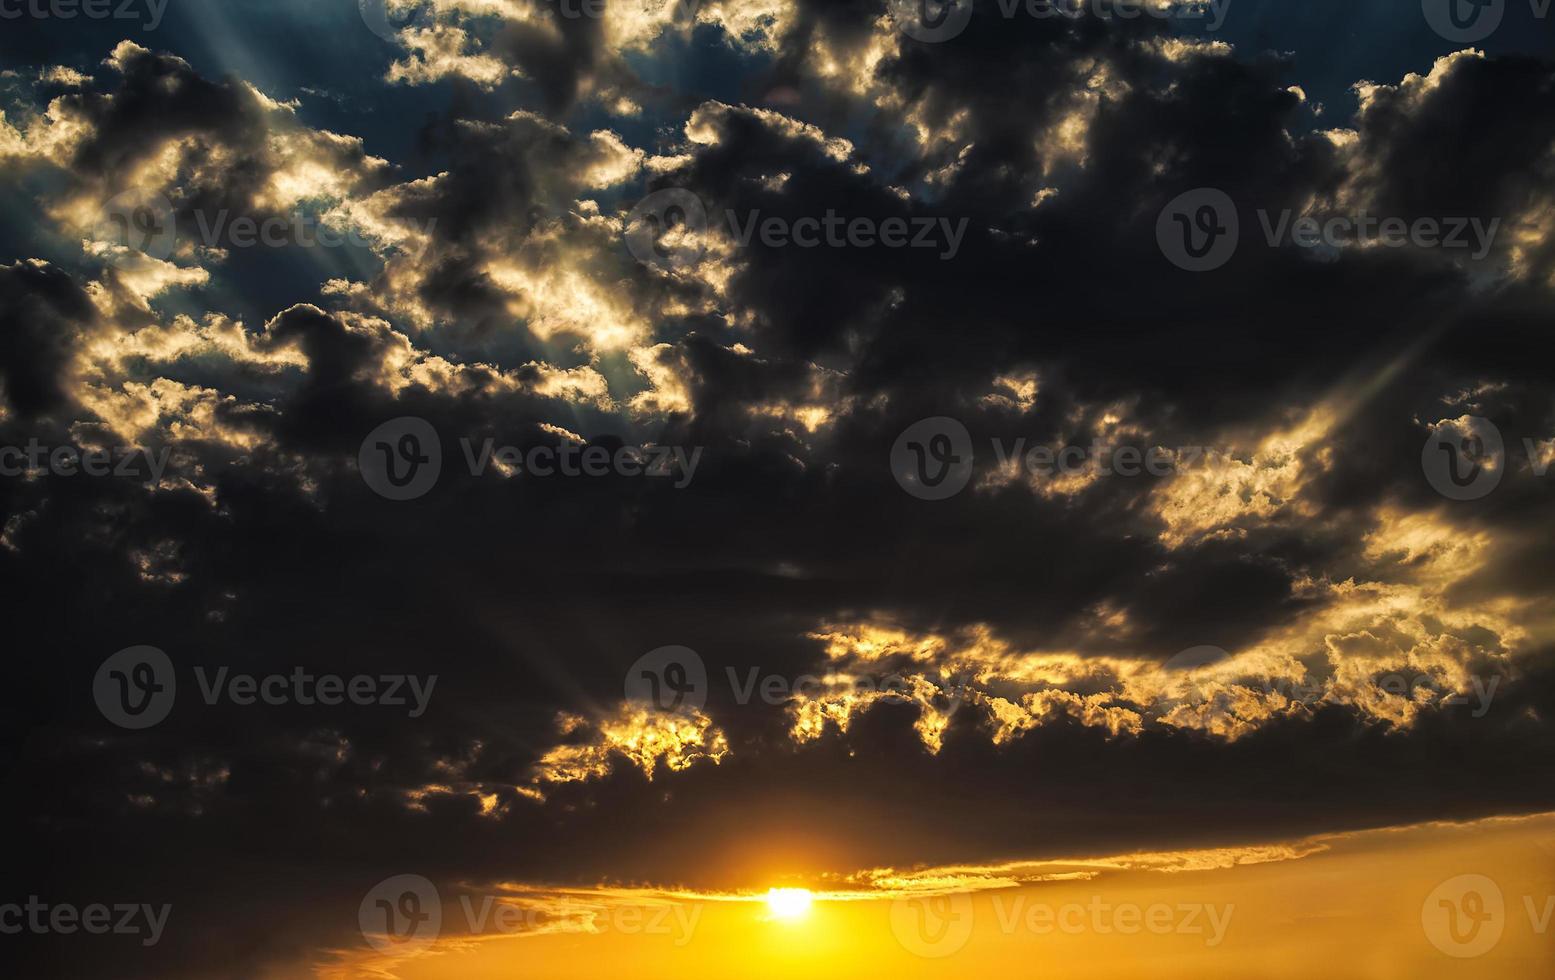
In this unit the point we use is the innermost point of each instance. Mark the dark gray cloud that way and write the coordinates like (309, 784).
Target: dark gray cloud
(497, 299)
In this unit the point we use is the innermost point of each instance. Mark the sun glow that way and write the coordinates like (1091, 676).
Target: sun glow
(788, 904)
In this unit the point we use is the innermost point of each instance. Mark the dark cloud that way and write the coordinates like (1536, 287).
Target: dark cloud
(500, 302)
(46, 312)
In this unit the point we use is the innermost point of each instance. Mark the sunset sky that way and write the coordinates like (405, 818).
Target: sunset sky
(518, 551)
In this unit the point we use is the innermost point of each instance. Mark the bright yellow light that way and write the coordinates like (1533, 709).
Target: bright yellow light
(788, 904)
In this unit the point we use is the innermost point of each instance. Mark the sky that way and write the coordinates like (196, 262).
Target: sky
(851, 488)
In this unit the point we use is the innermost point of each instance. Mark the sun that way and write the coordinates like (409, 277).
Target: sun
(789, 904)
